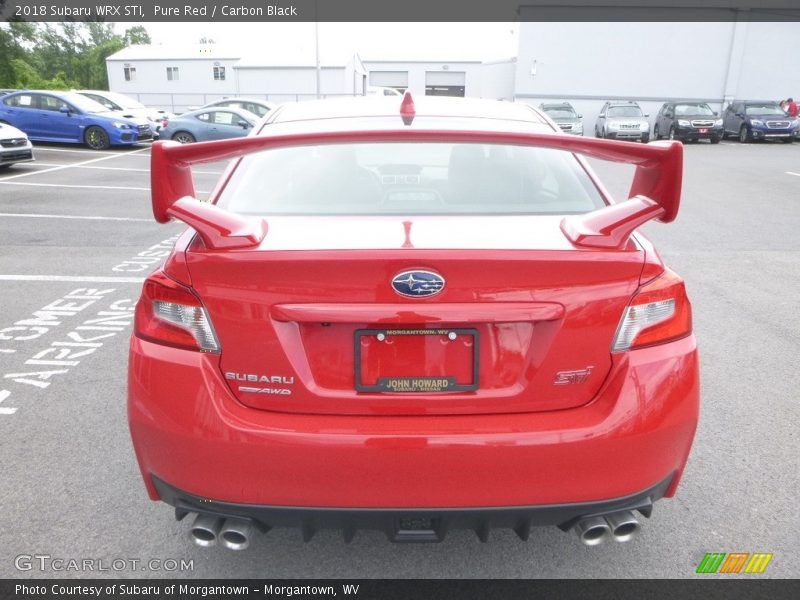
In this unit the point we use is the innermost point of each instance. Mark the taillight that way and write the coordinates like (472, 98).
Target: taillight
(171, 314)
(659, 312)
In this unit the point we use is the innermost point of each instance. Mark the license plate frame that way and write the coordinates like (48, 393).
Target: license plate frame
(421, 384)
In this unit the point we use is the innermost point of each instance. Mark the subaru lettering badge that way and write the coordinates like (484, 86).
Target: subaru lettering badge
(417, 284)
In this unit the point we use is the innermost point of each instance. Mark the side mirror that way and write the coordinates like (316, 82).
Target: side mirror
(244, 124)
(716, 114)
(739, 114)
(65, 110)
(646, 114)
(580, 116)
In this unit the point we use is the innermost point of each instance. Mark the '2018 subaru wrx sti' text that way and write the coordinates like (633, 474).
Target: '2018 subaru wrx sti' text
(413, 315)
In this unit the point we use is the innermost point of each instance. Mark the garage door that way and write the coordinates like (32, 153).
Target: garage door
(445, 83)
(393, 79)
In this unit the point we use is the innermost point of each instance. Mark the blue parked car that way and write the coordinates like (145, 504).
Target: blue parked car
(70, 117)
(750, 120)
(216, 123)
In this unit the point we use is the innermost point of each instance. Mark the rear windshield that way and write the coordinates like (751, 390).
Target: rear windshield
(410, 178)
(624, 111)
(694, 109)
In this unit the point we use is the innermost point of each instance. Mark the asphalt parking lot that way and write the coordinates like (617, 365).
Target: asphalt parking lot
(77, 237)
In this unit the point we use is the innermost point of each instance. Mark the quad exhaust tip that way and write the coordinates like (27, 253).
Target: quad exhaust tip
(205, 530)
(624, 526)
(592, 531)
(236, 533)
(621, 526)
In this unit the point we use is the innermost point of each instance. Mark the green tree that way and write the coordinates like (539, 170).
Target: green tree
(23, 75)
(137, 35)
(61, 55)
(13, 40)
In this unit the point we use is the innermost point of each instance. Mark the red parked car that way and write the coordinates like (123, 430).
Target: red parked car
(412, 316)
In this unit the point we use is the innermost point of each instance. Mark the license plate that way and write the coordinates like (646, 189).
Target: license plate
(704, 131)
(416, 360)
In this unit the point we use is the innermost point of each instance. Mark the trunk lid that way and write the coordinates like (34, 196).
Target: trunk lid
(523, 323)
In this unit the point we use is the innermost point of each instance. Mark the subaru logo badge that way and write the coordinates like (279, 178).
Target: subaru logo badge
(417, 284)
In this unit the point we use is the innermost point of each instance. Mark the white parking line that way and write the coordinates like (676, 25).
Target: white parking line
(793, 173)
(4, 410)
(82, 187)
(95, 152)
(86, 187)
(72, 278)
(62, 167)
(83, 217)
(40, 164)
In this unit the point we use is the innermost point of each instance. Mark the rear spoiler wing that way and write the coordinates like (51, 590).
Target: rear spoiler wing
(654, 194)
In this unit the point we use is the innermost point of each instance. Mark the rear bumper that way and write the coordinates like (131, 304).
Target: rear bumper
(189, 431)
(410, 525)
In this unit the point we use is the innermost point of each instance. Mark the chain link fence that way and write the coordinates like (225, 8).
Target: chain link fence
(183, 101)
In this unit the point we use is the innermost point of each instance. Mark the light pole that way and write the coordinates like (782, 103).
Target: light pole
(316, 45)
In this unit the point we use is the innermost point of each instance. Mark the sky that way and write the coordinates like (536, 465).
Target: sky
(339, 41)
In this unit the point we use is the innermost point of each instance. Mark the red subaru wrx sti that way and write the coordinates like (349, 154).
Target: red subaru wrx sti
(412, 316)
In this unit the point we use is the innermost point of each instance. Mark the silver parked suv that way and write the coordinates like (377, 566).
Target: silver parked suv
(622, 120)
(564, 116)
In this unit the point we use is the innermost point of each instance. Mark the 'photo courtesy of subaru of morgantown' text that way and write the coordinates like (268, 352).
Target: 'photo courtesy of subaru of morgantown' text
(287, 298)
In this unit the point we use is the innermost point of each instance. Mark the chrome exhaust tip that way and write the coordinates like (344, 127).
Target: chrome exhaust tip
(236, 533)
(592, 531)
(624, 526)
(205, 530)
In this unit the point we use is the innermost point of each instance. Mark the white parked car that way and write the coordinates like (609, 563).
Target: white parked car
(131, 109)
(376, 90)
(260, 108)
(14, 146)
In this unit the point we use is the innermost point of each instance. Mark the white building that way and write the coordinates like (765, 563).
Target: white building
(650, 63)
(585, 63)
(173, 78)
(177, 78)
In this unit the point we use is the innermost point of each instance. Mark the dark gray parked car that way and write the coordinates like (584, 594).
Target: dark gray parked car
(208, 124)
(688, 122)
